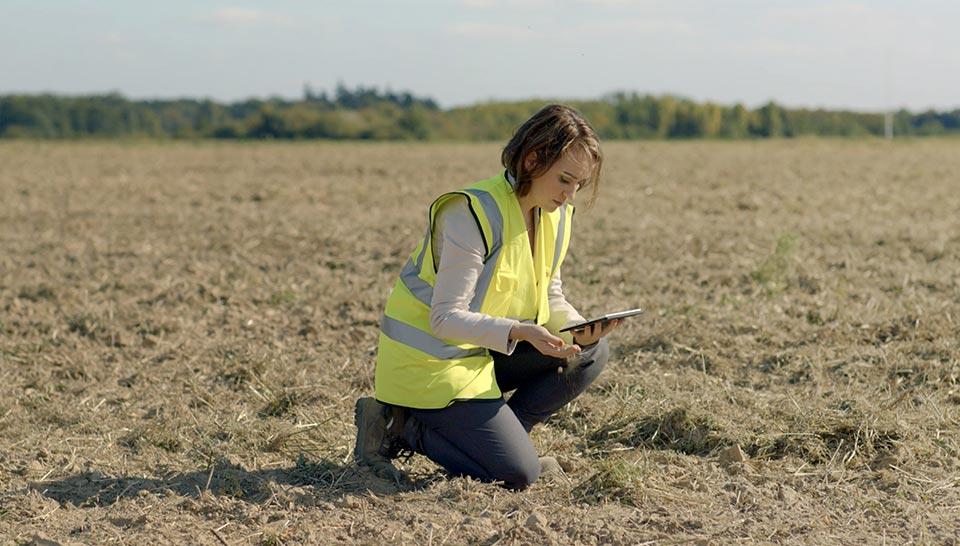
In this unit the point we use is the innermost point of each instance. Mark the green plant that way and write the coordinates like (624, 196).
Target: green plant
(773, 269)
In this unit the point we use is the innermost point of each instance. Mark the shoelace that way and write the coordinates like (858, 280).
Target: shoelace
(398, 448)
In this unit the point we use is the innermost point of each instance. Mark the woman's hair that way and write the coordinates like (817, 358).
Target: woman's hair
(551, 132)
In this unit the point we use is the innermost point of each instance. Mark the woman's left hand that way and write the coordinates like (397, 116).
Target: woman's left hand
(592, 333)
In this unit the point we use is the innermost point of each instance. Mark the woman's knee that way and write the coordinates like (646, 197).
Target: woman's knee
(595, 358)
(521, 474)
(600, 352)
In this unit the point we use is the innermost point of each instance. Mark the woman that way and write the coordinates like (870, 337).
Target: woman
(477, 311)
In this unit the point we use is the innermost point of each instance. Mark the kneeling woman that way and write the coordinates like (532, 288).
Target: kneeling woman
(477, 311)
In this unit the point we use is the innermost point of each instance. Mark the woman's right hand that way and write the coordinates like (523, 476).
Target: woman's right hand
(543, 340)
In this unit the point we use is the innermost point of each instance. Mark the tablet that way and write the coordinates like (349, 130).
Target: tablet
(604, 318)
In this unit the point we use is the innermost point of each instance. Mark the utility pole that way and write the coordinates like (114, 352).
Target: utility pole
(888, 115)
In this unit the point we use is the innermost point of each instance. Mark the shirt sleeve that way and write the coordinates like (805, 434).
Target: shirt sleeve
(562, 314)
(459, 244)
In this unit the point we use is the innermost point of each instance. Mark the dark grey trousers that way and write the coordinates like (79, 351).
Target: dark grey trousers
(489, 439)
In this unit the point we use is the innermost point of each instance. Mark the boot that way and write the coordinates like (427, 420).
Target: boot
(374, 447)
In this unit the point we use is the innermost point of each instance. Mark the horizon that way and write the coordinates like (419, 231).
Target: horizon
(545, 100)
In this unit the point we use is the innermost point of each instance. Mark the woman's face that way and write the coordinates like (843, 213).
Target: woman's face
(559, 184)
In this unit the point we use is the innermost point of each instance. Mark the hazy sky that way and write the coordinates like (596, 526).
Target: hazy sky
(861, 55)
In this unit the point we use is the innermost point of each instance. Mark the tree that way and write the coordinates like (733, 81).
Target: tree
(769, 121)
(368, 113)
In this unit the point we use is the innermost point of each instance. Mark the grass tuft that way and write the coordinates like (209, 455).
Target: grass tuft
(281, 402)
(159, 435)
(676, 430)
(614, 481)
(771, 273)
(37, 293)
(843, 436)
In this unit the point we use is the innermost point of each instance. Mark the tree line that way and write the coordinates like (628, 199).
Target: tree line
(370, 114)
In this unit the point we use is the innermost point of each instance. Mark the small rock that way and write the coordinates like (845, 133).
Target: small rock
(306, 501)
(550, 467)
(535, 521)
(349, 502)
(732, 455)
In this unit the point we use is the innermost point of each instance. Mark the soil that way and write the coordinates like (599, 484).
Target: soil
(184, 329)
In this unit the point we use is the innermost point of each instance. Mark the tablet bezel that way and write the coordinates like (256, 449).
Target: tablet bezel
(605, 318)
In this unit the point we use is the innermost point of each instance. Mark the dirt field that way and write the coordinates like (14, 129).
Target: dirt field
(184, 329)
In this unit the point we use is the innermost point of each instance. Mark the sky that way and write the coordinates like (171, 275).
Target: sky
(866, 56)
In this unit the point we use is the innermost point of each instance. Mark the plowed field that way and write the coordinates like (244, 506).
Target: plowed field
(184, 329)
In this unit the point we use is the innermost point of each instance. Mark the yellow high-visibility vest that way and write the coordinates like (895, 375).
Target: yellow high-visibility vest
(415, 368)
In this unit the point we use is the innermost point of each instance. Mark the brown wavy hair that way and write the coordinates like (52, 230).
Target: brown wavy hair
(550, 133)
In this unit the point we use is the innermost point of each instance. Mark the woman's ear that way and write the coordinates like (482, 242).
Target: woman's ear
(530, 162)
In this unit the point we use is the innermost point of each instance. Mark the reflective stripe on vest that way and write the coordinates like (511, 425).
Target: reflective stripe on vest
(417, 286)
(426, 243)
(422, 341)
(424, 292)
(559, 244)
(495, 218)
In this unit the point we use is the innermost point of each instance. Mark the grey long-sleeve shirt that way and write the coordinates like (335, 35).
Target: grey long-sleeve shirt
(459, 245)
